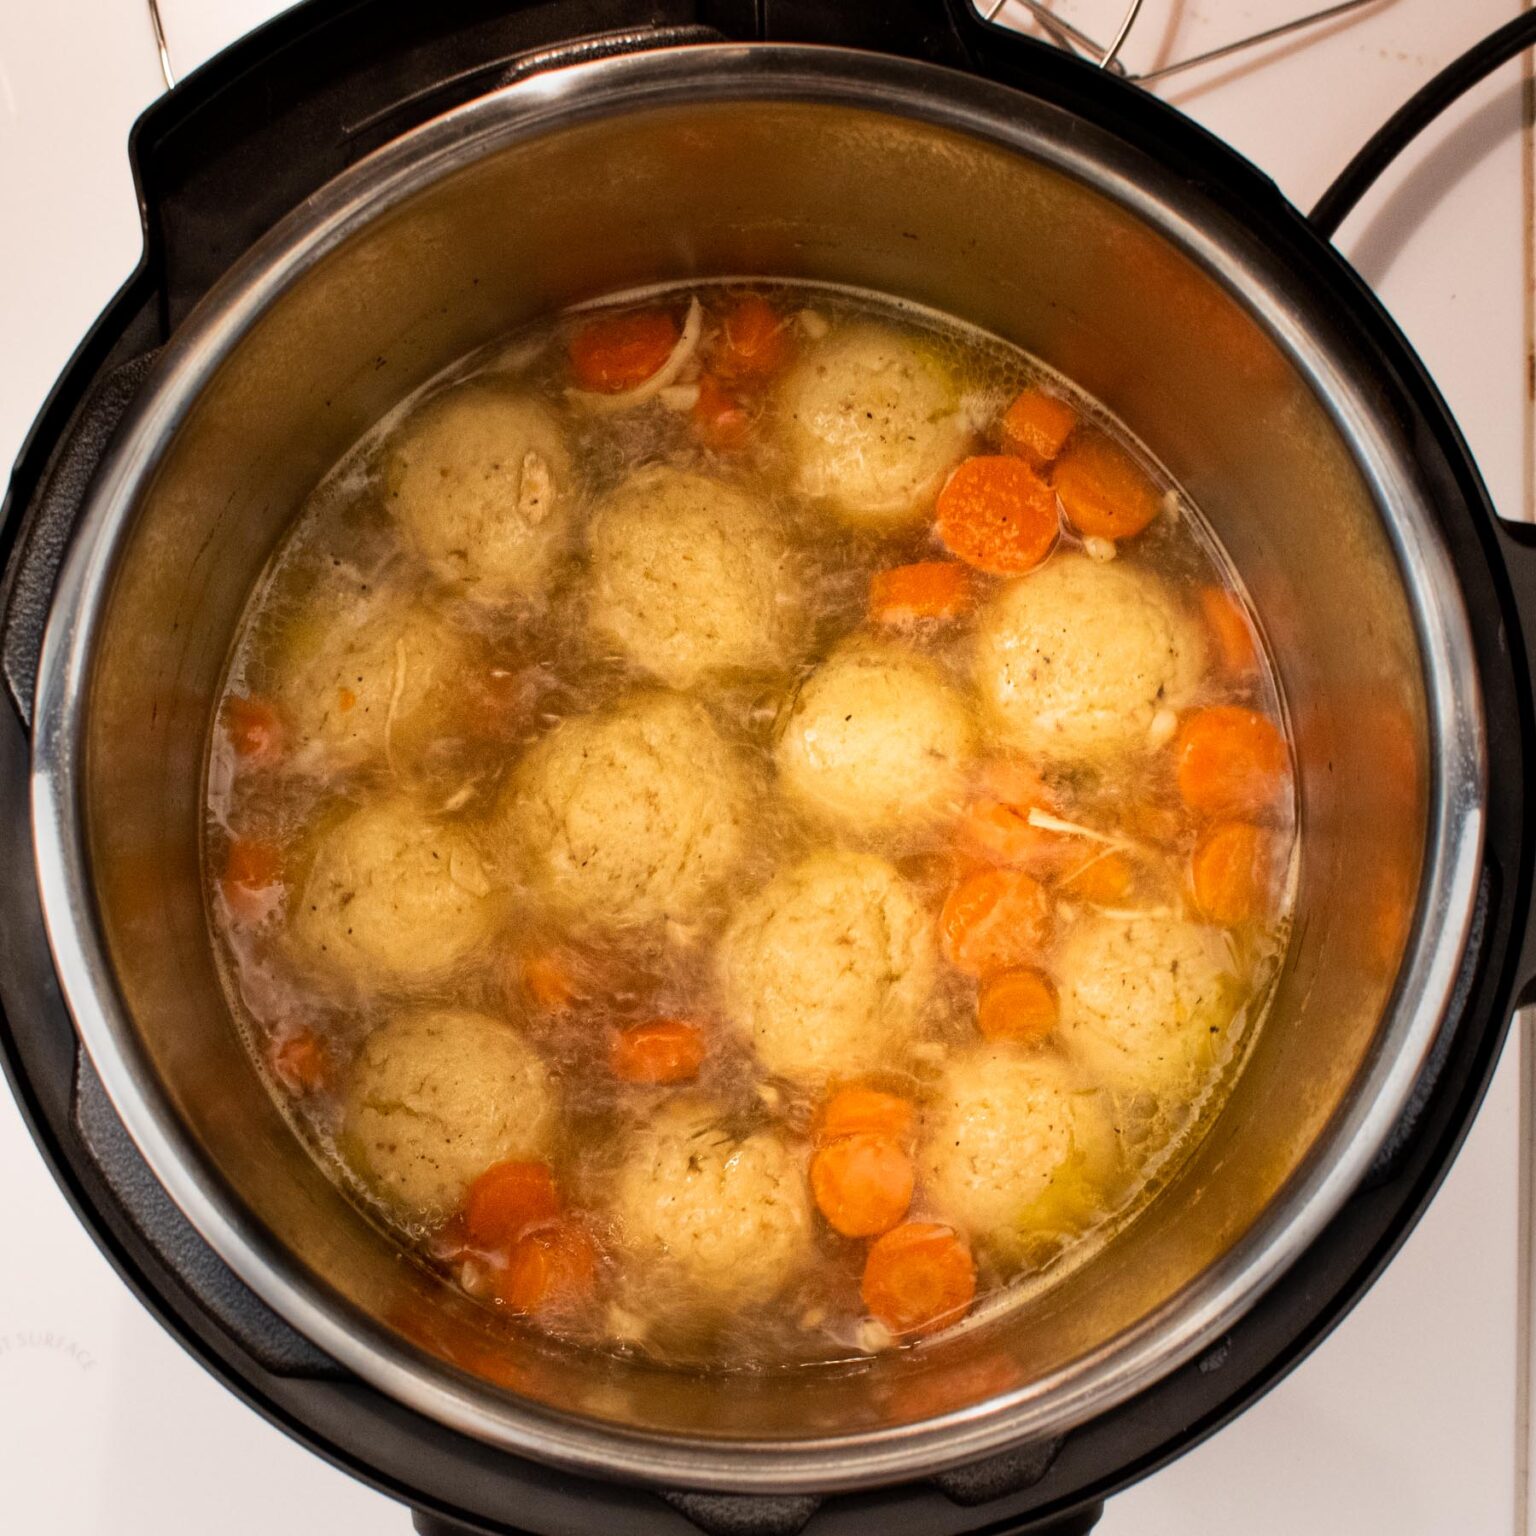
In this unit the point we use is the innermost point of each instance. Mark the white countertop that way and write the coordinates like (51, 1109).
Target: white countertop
(1404, 1423)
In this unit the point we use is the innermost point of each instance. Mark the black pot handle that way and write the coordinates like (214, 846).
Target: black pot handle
(733, 1515)
(1517, 545)
(978, 1488)
(46, 510)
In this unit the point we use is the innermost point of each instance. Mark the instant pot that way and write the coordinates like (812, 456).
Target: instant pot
(359, 193)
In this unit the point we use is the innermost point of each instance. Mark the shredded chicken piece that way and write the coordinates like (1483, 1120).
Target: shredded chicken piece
(626, 1325)
(396, 693)
(535, 489)
(1097, 548)
(1164, 724)
(458, 799)
(680, 397)
(683, 935)
(872, 1337)
(979, 407)
(468, 873)
(1048, 823)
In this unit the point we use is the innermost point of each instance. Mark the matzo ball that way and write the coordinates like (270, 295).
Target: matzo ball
(707, 1220)
(871, 421)
(434, 1098)
(691, 578)
(1016, 1147)
(1145, 1002)
(638, 813)
(877, 737)
(1074, 660)
(393, 895)
(828, 969)
(481, 484)
(377, 688)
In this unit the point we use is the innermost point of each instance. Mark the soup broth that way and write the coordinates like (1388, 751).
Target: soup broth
(749, 823)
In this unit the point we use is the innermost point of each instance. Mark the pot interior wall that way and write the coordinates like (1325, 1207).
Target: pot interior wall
(791, 189)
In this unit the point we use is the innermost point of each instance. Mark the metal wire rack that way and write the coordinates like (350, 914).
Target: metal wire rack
(1058, 28)
(1107, 56)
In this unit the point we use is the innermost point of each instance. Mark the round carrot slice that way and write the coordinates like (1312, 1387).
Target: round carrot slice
(1236, 649)
(300, 1061)
(1232, 872)
(252, 869)
(617, 352)
(754, 340)
(997, 514)
(862, 1184)
(853, 1111)
(1104, 878)
(931, 589)
(506, 1200)
(252, 862)
(550, 1269)
(1036, 427)
(719, 418)
(549, 979)
(919, 1278)
(1105, 493)
(1002, 834)
(1231, 762)
(661, 1051)
(994, 920)
(255, 728)
(995, 826)
(1018, 1005)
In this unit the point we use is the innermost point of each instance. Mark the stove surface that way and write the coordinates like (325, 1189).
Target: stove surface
(1405, 1423)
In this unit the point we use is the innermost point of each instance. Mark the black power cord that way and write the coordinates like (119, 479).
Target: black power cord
(1415, 115)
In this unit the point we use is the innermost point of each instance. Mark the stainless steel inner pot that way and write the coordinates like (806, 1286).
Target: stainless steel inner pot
(842, 167)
